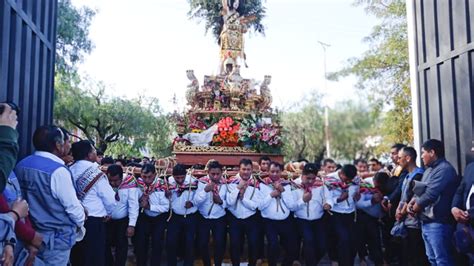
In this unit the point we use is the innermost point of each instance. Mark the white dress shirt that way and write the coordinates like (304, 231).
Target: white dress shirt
(276, 208)
(127, 205)
(178, 202)
(345, 206)
(158, 203)
(313, 209)
(64, 190)
(205, 203)
(468, 202)
(245, 207)
(100, 200)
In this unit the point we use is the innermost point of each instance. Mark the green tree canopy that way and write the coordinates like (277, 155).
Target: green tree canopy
(72, 39)
(352, 125)
(209, 11)
(383, 70)
(104, 119)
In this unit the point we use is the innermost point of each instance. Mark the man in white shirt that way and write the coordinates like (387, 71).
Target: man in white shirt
(97, 197)
(184, 218)
(312, 199)
(275, 205)
(242, 202)
(210, 199)
(47, 185)
(124, 216)
(343, 190)
(152, 218)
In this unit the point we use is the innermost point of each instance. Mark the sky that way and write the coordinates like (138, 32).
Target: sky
(144, 47)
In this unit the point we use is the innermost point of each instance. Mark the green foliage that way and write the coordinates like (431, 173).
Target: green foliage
(104, 119)
(209, 11)
(72, 40)
(350, 124)
(303, 130)
(383, 70)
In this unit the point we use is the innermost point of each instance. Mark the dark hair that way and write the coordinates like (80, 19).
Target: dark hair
(65, 133)
(136, 160)
(179, 169)
(144, 157)
(382, 178)
(411, 152)
(434, 145)
(328, 160)
(360, 161)
(46, 137)
(349, 170)
(311, 168)
(264, 158)
(100, 153)
(148, 168)
(81, 149)
(277, 164)
(114, 170)
(338, 166)
(398, 146)
(107, 160)
(303, 160)
(245, 162)
(375, 161)
(132, 164)
(214, 165)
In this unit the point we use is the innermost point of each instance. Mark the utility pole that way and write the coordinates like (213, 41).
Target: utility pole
(326, 108)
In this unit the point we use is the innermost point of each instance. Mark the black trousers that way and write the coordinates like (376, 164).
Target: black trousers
(238, 228)
(117, 237)
(344, 225)
(177, 225)
(314, 240)
(368, 230)
(218, 228)
(91, 250)
(276, 230)
(147, 227)
(413, 249)
(260, 237)
(330, 234)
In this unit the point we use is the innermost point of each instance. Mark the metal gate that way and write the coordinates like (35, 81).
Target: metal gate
(441, 53)
(27, 54)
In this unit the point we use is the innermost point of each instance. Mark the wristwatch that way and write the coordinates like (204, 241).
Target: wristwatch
(10, 242)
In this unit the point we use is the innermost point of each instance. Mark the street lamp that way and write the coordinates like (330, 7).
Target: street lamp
(326, 109)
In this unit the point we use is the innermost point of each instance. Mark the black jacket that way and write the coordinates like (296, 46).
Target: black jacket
(462, 192)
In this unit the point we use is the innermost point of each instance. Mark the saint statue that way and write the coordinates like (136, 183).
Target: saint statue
(231, 37)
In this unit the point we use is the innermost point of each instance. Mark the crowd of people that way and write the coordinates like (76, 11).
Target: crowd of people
(59, 206)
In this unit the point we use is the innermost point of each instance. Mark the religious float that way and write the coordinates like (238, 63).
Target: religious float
(229, 117)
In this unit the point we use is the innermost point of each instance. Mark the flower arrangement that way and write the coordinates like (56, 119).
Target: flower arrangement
(261, 136)
(227, 133)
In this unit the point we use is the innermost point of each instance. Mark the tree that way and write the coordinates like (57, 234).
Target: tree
(352, 125)
(303, 130)
(383, 70)
(105, 120)
(72, 39)
(210, 12)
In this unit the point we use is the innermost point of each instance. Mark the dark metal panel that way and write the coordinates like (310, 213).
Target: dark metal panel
(461, 66)
(433, 104)
(27, 55)
(444, 26)
(445, 52)
(424, 112)
(429, 22)
(449, 115)
(459, 13)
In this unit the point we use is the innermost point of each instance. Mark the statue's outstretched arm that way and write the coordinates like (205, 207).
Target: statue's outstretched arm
(225, 6)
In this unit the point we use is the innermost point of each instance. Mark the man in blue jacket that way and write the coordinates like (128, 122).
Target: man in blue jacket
(433, 203)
